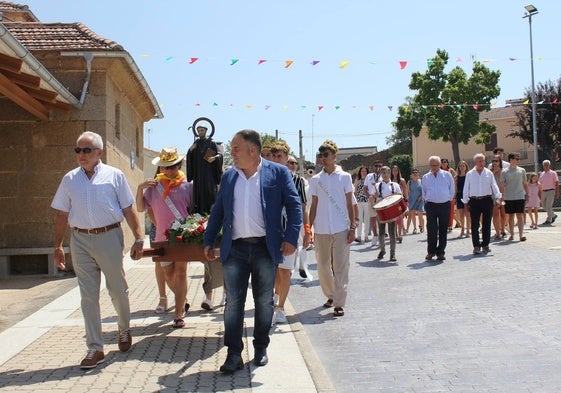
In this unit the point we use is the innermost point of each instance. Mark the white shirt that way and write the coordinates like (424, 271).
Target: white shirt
(439, 188)
(370, 181)
(96, 202)
(248, 218)
(331, 211)
(387, 189)
(480, 184)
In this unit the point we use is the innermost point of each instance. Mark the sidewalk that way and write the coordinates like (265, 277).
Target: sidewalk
(42, 352)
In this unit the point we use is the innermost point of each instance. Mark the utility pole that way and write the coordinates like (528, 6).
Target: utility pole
(301, 155)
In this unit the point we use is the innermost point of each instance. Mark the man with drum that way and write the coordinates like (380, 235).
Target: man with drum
(369, 184)
(382, 190)
(438, 191)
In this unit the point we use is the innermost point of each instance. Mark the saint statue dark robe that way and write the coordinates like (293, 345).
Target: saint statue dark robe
(205, 175)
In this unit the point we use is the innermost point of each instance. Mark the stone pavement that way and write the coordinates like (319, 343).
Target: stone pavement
(486, 323)
(41, 353)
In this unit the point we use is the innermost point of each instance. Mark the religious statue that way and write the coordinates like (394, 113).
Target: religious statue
(204, 167)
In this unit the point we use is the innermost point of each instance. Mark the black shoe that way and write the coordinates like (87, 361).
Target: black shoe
(553, 218)
(441, 257)
(302, 273)
(261, 358)
(233, 363)
(381, 254)
(393, 258)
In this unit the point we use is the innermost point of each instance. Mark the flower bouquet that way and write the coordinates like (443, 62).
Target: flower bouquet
(184, 241)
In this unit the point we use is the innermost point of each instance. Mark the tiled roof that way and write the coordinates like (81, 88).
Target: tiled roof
(499, 113)
(59, 36)
(9, 6)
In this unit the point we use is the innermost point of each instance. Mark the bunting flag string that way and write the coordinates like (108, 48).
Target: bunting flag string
(402, 64)
(371, 108)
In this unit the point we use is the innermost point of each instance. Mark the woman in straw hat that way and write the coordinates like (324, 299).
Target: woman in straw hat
(169, 196)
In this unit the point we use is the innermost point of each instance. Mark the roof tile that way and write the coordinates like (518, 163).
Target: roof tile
(59, 36)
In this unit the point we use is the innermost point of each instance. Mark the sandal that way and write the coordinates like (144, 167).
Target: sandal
(415, 231)
(178, 323)
(511, 237)
(163, 306)
(328, 303)
(338, 311)
(523, 238)
(421, 229)
(187, 306)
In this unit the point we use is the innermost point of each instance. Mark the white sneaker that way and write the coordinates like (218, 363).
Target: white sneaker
(279, 316)
(207, 304)
(374, 241)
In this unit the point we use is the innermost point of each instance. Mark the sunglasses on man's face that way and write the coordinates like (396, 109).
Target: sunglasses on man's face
(85, 150)
(292, 162)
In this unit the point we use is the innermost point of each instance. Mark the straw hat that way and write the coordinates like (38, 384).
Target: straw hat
(168, 157)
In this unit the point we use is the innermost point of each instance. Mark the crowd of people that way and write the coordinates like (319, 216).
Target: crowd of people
(499, 196)
(268, 217)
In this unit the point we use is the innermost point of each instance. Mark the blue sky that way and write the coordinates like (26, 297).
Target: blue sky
(372, 36)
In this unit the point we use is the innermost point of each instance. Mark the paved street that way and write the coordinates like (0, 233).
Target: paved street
(471, 324)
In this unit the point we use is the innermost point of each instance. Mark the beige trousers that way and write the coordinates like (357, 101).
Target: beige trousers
(332, 257)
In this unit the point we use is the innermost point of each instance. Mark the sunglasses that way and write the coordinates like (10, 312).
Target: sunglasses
(324, 154)
(86, 150)
(292, 162)
(496, 161)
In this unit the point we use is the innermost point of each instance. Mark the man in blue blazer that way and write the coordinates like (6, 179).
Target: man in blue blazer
(259, 212)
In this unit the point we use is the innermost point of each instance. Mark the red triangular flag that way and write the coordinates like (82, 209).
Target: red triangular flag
(320, 107)
(402, 64)
(261, 61)
(555, 101)
(193, 59)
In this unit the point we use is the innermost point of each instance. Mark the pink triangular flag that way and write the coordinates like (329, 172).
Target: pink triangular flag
(197, 104)
(267, 107)
(475, 106)
(193, 59)
(459, 60)
(261, 61)
(402, 64)
(320, 107)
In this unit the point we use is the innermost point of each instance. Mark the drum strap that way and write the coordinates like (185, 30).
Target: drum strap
(380, 188)
(337, 207)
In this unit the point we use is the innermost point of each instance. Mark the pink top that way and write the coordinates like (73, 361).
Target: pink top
(549, 180)
(533, 197)
(181, 196)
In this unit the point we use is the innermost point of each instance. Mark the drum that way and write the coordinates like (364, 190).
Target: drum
(391, 208)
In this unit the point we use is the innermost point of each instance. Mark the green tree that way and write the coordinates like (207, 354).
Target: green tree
(448, 104)
(548, 120)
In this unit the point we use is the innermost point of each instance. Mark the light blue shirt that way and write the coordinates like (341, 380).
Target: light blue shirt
(96, 202)
(439, 188)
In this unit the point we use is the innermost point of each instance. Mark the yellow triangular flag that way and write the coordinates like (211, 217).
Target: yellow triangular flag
(526, 102)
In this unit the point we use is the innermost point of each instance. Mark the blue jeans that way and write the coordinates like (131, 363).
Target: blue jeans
(248, 257)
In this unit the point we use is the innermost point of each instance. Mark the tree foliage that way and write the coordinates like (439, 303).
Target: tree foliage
(548, 120)
(448, 104)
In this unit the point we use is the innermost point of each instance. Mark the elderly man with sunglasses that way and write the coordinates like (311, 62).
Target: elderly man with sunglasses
(93, 199)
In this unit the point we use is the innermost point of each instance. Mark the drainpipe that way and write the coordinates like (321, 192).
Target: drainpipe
(136, 71)
(89, 58)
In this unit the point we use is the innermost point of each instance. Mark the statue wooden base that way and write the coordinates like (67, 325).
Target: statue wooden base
(165, 252)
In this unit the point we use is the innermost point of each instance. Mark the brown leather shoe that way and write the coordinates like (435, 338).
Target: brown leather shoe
(125, 340)
(441, 257)
(92, 359)
(486, 249)
(429, 257)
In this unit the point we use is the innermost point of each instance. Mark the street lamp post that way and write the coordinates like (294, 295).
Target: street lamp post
(531, 10)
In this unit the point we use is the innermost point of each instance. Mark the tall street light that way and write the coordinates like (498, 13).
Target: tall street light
(531, 10)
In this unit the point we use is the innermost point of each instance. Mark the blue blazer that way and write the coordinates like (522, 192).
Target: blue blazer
(277, 191)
